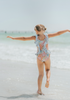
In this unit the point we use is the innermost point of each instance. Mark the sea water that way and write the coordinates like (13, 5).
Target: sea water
(17, 50)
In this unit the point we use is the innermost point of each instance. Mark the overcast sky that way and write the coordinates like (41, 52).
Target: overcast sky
(25, 14)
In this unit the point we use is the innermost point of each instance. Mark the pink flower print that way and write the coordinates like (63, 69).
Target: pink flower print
(40, 56)
(41, 45)
(43, 53)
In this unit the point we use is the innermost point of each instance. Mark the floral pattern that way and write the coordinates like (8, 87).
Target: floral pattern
(42, 52)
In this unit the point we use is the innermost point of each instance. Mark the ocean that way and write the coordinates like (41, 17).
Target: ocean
(16, 50)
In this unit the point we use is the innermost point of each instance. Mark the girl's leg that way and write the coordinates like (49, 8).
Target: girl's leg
(47, 69)
(41, 74)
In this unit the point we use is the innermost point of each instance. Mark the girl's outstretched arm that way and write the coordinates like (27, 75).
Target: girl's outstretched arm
(22, 38)
(58, 33)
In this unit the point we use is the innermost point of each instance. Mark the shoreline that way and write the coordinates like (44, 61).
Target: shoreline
(35, 64)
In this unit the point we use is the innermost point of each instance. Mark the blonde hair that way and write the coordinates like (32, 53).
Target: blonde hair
(40, 27)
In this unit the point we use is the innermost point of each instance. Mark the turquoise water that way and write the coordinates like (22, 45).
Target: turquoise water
(25, 50)
(8, 40)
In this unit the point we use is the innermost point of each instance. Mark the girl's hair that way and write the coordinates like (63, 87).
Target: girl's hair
(40, 27)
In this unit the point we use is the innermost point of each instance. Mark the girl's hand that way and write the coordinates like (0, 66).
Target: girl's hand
(68, 30)
(9, 37)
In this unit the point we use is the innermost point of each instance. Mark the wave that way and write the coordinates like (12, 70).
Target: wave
(26, 53)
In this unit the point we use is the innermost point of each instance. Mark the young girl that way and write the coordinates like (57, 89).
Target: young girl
(43, 53)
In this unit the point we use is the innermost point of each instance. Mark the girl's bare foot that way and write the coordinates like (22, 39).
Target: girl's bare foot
(47, 84)
(39, 92)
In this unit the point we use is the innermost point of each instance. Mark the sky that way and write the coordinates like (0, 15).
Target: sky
(23, 15)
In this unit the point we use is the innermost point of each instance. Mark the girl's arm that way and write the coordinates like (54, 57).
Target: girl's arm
(58, 33)
(22, 38)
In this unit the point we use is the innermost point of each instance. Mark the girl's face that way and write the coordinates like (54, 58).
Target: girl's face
(37, 32)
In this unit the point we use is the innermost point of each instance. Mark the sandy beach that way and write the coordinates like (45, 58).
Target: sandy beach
(18, 81)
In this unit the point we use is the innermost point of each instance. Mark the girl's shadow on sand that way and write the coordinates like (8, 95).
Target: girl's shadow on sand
(22, 96)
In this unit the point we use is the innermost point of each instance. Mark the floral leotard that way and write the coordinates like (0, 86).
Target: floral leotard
(42, 48)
